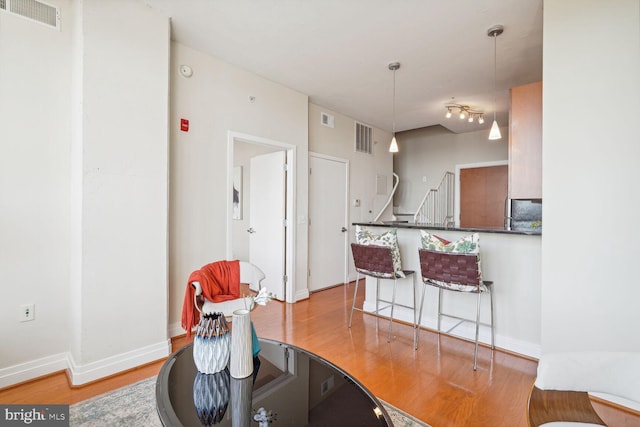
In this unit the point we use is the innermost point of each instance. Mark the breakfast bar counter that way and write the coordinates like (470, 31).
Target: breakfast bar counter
(511, 259)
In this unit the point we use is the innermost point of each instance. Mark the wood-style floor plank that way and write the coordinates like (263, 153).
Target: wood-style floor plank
(55, 389)
(436, 384)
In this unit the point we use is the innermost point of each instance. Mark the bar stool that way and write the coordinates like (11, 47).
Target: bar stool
(377, 262)
(457, 272)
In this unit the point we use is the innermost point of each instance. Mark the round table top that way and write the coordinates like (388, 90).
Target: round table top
(289, 387)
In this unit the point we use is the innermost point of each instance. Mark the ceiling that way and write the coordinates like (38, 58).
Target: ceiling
(337, 52)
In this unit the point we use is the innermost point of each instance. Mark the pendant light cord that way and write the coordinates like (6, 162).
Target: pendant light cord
(394, 102)
(494, 32)
(393, 148)
(495, 72)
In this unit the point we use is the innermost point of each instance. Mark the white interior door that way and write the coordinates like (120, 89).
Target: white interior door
(328, 236)
(267, 185)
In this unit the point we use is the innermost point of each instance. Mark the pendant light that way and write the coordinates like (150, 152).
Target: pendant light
(494, 32)
(393, 148)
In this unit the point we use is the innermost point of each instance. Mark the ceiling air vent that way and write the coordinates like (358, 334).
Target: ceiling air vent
(364, 138)
(33, 10)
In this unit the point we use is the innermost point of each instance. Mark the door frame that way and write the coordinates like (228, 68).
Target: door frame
(456, 206)
(346, 207)
(290, 195)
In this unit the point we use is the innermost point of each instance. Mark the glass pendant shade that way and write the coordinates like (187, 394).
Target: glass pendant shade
(495, 131)
(393, 148)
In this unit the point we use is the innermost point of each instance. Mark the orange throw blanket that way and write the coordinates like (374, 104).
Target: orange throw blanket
(220, 281)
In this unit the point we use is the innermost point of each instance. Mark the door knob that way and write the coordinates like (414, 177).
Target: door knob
(250, 230)
(343, 229)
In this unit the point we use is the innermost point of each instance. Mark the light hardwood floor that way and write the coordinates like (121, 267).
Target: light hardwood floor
(436, 383)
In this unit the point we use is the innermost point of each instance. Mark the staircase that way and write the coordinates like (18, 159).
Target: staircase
(436, 208)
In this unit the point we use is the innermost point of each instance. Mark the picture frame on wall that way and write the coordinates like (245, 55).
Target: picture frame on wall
(237, 192)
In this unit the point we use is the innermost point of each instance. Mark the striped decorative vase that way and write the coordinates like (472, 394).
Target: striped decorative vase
(211, 345)
(241, 363)
(241, 394)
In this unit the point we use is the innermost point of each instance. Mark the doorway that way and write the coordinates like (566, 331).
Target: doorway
(481, 193)
(239, 236)
(267, 219)
(328, 221)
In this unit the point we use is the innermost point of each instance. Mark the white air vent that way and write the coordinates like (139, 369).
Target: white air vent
(326, 119)
(364, 138)
(34, 11)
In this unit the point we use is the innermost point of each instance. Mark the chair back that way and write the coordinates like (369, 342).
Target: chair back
(373, 260)
(251, 274)
(450, 268)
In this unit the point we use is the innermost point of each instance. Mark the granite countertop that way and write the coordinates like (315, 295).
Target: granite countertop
(419, 226)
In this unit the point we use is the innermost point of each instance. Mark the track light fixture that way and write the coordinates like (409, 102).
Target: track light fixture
(464, 112)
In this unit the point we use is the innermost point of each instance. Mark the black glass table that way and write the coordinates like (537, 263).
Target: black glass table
(290, 387)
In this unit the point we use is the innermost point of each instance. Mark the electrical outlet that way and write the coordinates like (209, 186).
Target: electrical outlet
(27, 312)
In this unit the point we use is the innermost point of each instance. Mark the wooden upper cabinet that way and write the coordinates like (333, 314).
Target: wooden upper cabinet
(525, 142)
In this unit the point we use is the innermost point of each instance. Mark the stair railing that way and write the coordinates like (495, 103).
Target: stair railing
(393, 191)
(436, 208)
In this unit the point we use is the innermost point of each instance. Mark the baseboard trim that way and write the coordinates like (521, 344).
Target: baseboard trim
(616, 402)
(83, 374)
(175, 329)
(27, 371)
(301, 294)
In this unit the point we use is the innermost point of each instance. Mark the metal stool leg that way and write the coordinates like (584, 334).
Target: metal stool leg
(353, 303)
(417, 333)
(493, 344)
(393, 304)
(416, 326)
(439, 307)
(475, 352)
(377, 303)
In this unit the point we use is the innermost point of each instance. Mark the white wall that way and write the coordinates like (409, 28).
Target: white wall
(363, 168)
(590, 290)
(84, 190)
(35, 81)
(432, 151)
(216, 100)
(124, 181)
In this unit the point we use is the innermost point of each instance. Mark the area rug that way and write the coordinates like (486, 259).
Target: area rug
(135, 405)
